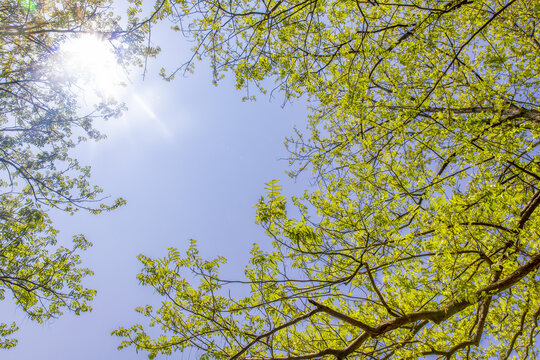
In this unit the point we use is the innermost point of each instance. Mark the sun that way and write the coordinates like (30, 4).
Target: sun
(90, 61)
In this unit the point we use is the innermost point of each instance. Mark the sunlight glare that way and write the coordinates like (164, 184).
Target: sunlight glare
(92, 62)
(156, 122)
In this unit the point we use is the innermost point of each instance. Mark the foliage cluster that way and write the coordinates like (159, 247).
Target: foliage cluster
(420, 238)
(41, 122)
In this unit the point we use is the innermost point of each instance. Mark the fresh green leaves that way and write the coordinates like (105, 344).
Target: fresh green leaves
(42, 277)
(420, 238)
(41, 122)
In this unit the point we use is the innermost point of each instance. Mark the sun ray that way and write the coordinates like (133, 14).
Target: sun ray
(157, 122)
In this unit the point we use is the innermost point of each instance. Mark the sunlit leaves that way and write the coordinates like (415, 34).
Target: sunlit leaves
(41, 121)
(423, 144)
(43, 278)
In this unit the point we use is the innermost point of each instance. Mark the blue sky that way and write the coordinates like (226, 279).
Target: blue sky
(191, 163)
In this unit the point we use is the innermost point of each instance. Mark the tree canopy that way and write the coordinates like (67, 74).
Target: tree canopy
(420, 236)
(41, 122)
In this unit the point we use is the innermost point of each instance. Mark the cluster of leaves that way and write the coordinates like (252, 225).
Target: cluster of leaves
(41, 122)
(421, 237)
(44, 279)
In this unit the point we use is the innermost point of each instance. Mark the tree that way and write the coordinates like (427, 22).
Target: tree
(41, 122)
(420, 239)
